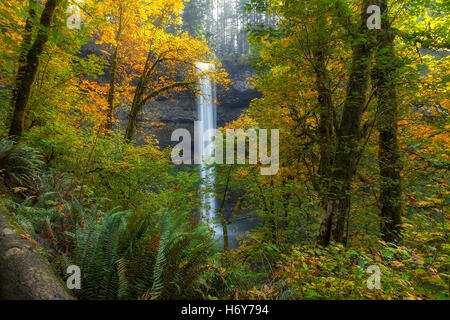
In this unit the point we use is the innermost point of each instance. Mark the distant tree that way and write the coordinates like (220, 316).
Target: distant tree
(194, 17)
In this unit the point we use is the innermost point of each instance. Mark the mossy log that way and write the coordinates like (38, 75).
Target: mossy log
(24, 275)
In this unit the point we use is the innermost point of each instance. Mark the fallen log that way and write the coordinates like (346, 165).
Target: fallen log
(24, 275)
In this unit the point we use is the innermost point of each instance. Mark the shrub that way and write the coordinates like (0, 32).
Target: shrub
(124, 255)
(19, 163)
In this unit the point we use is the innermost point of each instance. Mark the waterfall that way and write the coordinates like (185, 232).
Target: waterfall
(206, 125)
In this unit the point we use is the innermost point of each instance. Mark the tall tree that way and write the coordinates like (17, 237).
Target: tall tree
(332, 224)
(315, 40)
(113, 69)
(320, 49)
(194, 16)
(166, 54)
(25, 45)
(28, 70)
(386, 64)
(170, 64)
(122, 31)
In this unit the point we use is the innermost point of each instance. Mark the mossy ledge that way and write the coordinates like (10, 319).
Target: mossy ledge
(24, 275)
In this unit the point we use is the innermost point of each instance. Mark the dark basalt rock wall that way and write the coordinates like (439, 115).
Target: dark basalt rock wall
(181, 111)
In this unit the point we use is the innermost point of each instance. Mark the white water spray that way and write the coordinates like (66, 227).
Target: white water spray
(206, 111)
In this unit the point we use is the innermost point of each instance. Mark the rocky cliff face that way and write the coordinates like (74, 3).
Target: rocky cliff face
(181, 112)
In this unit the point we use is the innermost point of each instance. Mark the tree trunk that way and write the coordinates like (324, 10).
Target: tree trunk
(136, 107)
(29, 70)
(331, 228)
(25, 46)
(141, 98)
(325, 105)
(112, 91)
(113, 75)
(389, 154)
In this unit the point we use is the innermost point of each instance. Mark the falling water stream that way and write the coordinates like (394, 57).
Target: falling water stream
(205, 132)
(207, 124)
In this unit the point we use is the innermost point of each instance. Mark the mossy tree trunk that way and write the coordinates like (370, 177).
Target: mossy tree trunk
(337, 207)
(325, 110)
(113, 74)
(25, 46)
(389, 154)
(144, 93)
(27, 71)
